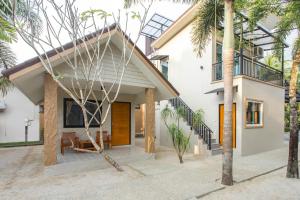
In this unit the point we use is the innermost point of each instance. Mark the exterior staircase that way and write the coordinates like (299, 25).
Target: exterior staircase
(201, 129)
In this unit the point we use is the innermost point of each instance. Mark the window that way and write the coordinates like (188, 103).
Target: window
(254, 113)
(73, 116)
(219, 52)
(164, 69)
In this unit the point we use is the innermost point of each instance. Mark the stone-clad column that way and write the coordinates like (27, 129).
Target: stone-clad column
(50, 120)
(150, 120)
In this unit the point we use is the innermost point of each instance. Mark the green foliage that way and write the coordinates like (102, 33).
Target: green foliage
(5, 85)
(272, 61)
(129, 3)
(7, 56)
(9, 10)
(19, 144)
(7, 31)
(94, 12)
(210, 14)
(198, 117)
(136, 15)
(289, 19)
(180, 140)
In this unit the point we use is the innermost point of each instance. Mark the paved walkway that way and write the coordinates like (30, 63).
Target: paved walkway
(23, 176)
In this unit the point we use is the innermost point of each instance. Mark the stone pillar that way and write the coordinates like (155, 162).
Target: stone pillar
(50, 120)
(150, 120)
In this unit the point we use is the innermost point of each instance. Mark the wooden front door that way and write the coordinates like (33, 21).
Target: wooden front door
(120, 123)
(221, 124)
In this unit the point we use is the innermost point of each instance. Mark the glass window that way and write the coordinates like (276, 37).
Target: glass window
(73, 116)
(164, 69)
(254, 113)
(219, 53)
(236, 69)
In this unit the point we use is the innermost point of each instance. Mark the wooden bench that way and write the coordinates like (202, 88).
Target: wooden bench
(65, 141)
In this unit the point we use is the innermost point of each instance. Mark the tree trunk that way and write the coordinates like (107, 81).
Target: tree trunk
(180, 159)
(292, 168)
(228, 59)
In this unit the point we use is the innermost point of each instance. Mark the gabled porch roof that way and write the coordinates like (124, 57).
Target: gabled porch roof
(29, 75)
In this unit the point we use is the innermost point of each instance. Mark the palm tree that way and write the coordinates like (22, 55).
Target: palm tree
(289, 20)
(228, 60)
(7, 60)
(8, 10)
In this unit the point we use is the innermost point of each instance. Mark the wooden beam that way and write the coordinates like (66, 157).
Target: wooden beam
(50, 120)
(150, 120)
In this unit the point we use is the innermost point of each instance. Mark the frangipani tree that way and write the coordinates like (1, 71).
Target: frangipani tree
(83, 76)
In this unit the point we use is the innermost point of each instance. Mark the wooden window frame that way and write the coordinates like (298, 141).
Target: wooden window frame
(249, 126)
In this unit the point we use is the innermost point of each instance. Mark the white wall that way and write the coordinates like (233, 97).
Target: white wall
(192, 82)
(189, 79)
(12, 126)
(270, 136)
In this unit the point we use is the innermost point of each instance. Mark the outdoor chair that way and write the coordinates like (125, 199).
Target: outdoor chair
(66, 139)
(106, 138)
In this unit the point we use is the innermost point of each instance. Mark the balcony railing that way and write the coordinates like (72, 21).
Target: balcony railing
(251, 68)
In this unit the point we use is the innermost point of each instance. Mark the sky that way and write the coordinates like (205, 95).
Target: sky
(165, 8)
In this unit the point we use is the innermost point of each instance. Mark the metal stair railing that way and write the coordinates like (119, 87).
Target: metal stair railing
(200, 128)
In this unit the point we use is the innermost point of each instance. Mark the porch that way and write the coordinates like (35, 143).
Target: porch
(63, 116)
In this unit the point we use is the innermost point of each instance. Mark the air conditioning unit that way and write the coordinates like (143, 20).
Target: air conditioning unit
(258, 52)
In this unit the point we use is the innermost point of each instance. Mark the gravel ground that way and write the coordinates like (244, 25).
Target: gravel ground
(23, 176)
(271, 186)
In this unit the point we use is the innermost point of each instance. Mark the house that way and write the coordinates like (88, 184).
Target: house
(16, 112)
(258, 92)
(142, 84)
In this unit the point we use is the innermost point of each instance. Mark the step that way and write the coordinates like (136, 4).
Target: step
(216, 151)
(215, 146)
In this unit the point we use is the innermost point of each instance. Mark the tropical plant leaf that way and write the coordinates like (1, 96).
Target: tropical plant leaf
(7, 56)
(5, 85)
(210, 14)
(7, 31)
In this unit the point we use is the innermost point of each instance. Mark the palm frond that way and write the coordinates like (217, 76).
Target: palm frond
(260, 9)
(29, 16)
(284, 27)
(7, 31)
(7, 56)
(5, 85)
(25, 11)
(209, 14)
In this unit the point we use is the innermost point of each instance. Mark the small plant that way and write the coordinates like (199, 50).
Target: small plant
(180, 140)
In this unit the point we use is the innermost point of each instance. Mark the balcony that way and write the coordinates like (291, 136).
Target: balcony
(250, 68)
